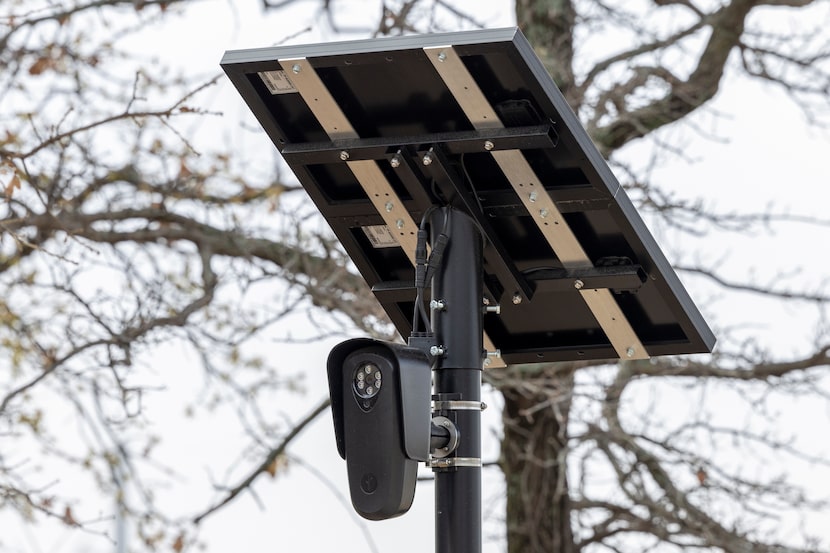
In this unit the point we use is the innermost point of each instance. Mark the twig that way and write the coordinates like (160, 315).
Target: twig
(269, 459)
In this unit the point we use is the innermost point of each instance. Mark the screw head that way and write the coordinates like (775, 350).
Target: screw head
(395, 162)
(427, 159)
(532, 197)
(488, 145)
(344, 155)
(296, 68)
(543, 213)
(517, 298)
(578, 284)
(399, 223)
(630, 351)
(442, 56)
(389, 206)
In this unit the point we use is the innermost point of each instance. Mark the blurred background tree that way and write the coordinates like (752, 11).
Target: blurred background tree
(126, 230)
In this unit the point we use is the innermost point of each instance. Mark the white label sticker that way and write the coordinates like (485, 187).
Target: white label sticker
(380, 236)
(277, 82)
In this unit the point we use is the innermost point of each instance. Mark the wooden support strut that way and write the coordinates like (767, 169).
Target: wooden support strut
(536, 200)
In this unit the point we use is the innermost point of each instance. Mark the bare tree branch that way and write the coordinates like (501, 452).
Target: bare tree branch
(272, 456)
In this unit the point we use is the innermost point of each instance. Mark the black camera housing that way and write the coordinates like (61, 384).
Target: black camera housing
(380, 402)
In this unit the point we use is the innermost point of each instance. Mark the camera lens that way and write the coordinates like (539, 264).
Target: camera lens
(367, 380)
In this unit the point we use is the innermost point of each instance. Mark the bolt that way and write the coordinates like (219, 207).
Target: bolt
(395, 162)
(543, 213)
(517, 298)
(435, 351)
(427, 159)
(485, 301)
(296, 68)
(399, 223)
(578, 284)
(344, 155)
(437, 305)
(488, 145)
(492, 309)
(442, 56)
(389, 206)
(496, 354)
(532, 197)
(630, 351)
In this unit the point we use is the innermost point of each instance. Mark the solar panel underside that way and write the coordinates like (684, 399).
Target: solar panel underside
(379, 131)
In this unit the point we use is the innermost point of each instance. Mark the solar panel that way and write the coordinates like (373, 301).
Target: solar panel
(379, 131)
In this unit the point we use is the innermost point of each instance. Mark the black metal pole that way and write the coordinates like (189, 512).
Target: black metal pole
(456, 321)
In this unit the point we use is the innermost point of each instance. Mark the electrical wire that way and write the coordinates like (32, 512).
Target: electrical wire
(470, 182)
(467, 176)
(426, 267)
(420, 270)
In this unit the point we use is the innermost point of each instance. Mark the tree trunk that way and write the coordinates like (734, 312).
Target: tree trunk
(549, 26)
(537, 401)
(533, 460)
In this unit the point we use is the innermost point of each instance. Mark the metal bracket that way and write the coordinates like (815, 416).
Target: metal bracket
(451, 462)
(458, 405)
(452, 438)
(460, 142)
(617, 278)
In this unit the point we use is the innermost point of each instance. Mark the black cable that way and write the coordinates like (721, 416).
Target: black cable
(478, 201)
(437, 253)
(472, 186)
(420, 272)
(425, 268)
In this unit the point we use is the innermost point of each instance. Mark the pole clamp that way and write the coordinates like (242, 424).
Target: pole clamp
(458, 405)
(451, 462)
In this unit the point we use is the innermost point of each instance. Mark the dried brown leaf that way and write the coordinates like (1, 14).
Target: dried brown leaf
(184, 171)
(279, 464)
(178, 544)
(68, 518)
(41, 64)
(13, 184)
(271, 469)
